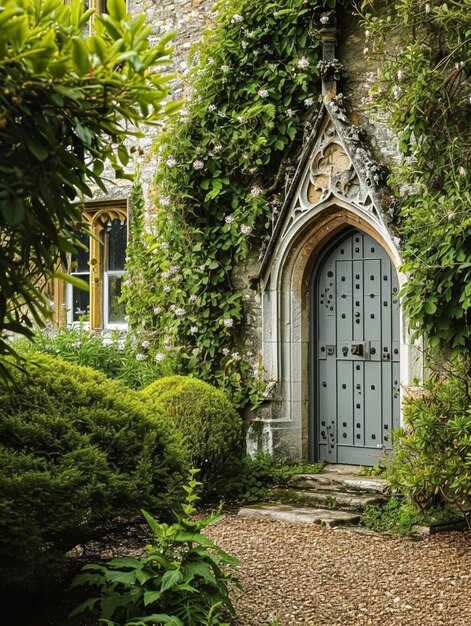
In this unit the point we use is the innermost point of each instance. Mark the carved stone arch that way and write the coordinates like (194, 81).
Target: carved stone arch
(286, 315)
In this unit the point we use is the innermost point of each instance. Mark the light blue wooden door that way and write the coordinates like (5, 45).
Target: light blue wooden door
(355, 356)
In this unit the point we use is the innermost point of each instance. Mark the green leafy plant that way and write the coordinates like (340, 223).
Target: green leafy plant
(219, 184)
(183, 580)
(399, 516)
(212, 429)
(261, 473)
(432, 453)
(67, 105)
(375, 470)
(79, 455)
(275, 620)
(424, 95)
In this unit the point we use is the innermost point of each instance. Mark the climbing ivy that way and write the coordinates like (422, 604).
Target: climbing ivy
(425, 91)
(222, 166)
(218, 185)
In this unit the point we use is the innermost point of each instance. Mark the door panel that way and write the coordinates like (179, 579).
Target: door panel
(355, 352)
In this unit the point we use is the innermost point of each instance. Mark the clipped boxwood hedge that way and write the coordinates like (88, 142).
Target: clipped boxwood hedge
(79, 455)
(211, 427)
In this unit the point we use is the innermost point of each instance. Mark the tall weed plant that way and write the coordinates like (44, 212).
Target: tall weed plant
(184, 579)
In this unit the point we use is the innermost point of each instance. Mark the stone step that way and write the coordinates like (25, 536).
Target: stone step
(345, 482)
(306, 515)
(331, 499)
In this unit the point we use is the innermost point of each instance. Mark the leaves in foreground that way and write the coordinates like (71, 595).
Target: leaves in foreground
(184, 580)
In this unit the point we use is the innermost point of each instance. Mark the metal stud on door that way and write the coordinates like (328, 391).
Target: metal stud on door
(355, 351)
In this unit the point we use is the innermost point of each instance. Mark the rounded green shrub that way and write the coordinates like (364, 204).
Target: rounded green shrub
(211, 427)
(79, 456)
(432, 452)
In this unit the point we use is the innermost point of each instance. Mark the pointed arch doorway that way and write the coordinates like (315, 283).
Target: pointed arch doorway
(354, 351)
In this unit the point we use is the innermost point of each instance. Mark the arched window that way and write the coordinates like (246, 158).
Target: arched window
(100, 263)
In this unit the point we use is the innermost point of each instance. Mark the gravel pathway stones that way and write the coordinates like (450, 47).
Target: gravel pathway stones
(317, 576)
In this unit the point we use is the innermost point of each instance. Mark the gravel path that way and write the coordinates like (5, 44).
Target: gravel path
(321, 577)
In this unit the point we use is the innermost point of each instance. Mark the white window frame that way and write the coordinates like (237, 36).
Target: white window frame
(106, 324)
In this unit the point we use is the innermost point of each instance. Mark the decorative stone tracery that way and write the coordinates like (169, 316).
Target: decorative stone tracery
(331, 173)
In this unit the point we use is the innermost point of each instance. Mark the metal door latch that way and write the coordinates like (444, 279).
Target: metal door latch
(330, 350)
(358, 349)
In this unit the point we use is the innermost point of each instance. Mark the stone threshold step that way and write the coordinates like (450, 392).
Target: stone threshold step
(330, 499)
(349, 482)
(305, 515)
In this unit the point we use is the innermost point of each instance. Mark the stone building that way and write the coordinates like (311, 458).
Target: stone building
(322, 303)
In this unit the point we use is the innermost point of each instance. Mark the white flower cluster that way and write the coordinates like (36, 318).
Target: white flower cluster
(236, 19)
(171, 162)
(198, 165)
(303, 63)
(245, 230)
(228, 322)
(263, 93)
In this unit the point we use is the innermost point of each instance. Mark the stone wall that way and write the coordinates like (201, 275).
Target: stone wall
(189, 18)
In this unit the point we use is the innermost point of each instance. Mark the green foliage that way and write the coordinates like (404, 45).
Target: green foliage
(219, 185)
(373, 470)
(275, 620)
(211, 427)
(261, 473)
(67, 105)
(425, 94)
(399, 516)
(118, 355)
(79, 454)
(182, 581)
(432, 460)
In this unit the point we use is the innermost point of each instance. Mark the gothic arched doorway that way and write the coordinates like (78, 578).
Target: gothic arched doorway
(354, 354)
